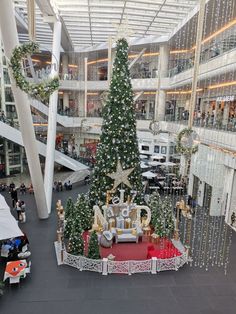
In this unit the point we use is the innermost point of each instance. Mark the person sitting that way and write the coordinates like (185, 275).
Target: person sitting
(22, 188)
(59, 186)
(87, 179)
(68, 185)
(54, 186)
(13, 253)
(31, 189)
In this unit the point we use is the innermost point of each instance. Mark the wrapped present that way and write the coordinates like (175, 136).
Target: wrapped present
(112, 223)
(155, 238)
(127, 223)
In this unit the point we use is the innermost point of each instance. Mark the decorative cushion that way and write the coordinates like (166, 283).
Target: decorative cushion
(134, 232)
(119, 231)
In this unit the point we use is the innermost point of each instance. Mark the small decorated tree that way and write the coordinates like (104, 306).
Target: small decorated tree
(93, 249)
(164, 221)
(70, 208)
(154, 204)
(83, 212)
(69, 217)
(76, 242)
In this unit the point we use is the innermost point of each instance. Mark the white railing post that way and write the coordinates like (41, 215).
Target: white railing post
(176, 263)
(81, 263)
(104, 266)
(154, 266)
(130, 267)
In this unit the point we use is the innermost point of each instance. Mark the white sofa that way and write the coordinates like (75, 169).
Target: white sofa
(126, 235)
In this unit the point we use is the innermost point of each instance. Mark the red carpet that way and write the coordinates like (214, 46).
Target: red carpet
(137, 251)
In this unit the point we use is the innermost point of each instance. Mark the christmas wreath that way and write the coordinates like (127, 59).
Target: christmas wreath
(185, 150)
(154, 127)
(40, 91)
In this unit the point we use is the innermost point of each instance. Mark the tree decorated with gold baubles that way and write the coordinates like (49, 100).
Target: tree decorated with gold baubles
(69, 217)
(84, 212)
(117, 154)
(76, 242)
(93, 247)
(154, 204)
(164, 220)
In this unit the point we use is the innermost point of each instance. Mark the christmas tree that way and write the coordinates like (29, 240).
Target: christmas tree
(76, 242)
(83, 212)
(69, 210)
(164, 220)
(118, 141)
(154, 204)
(93, 249)
(69, 217)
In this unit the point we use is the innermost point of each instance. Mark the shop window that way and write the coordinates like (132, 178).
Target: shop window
(144, 147)
(163, 150)
(172, 150)
(157, 149)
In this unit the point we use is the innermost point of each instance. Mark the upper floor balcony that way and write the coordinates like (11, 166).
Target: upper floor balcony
(214, 67)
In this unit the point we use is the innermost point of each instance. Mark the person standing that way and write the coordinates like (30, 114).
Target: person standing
(14, 197)
(23, 215)
(18, 210)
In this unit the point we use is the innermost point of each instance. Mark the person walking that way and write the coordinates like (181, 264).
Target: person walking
(14, 197)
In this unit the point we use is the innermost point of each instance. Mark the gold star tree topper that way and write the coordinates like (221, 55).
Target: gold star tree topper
(120, 176)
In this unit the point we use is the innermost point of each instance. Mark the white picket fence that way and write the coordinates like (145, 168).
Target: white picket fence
(105, 266)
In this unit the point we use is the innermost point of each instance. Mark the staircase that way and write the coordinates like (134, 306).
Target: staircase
(14, 135)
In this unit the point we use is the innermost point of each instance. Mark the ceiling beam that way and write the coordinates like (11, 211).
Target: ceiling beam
(47, 9)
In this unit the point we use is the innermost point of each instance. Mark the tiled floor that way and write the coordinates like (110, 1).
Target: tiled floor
(51, 289)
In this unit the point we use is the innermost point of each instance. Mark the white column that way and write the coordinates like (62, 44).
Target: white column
(10, 41)
(196, 60)
(85, 85)
(226, 114)
(147, 109)
(109, 63)
(7, 169)
(160, 99)
(168, 148)
(65, 100)
(65, 62)
(52, 117)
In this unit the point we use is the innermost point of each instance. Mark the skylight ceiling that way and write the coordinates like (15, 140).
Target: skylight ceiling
(91, 22)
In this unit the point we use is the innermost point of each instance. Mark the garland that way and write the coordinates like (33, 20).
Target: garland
(40, 91)
(183, 149)
(154, 127)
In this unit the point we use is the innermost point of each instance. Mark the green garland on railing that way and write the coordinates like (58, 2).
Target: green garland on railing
(183, 149)
(40, 91)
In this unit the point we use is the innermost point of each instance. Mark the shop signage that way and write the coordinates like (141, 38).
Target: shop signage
(225, 98)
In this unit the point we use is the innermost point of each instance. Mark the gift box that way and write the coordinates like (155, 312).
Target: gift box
(127, 223)
(112, 223)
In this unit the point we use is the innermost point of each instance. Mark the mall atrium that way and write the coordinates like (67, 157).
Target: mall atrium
(118, 124)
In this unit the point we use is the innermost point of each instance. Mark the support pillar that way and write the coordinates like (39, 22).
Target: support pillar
(52, 117)
(65, 100)
(109, 63)
(7, 169)
(10, 41)
(85, 86)
(65, 61)
(160, 99)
